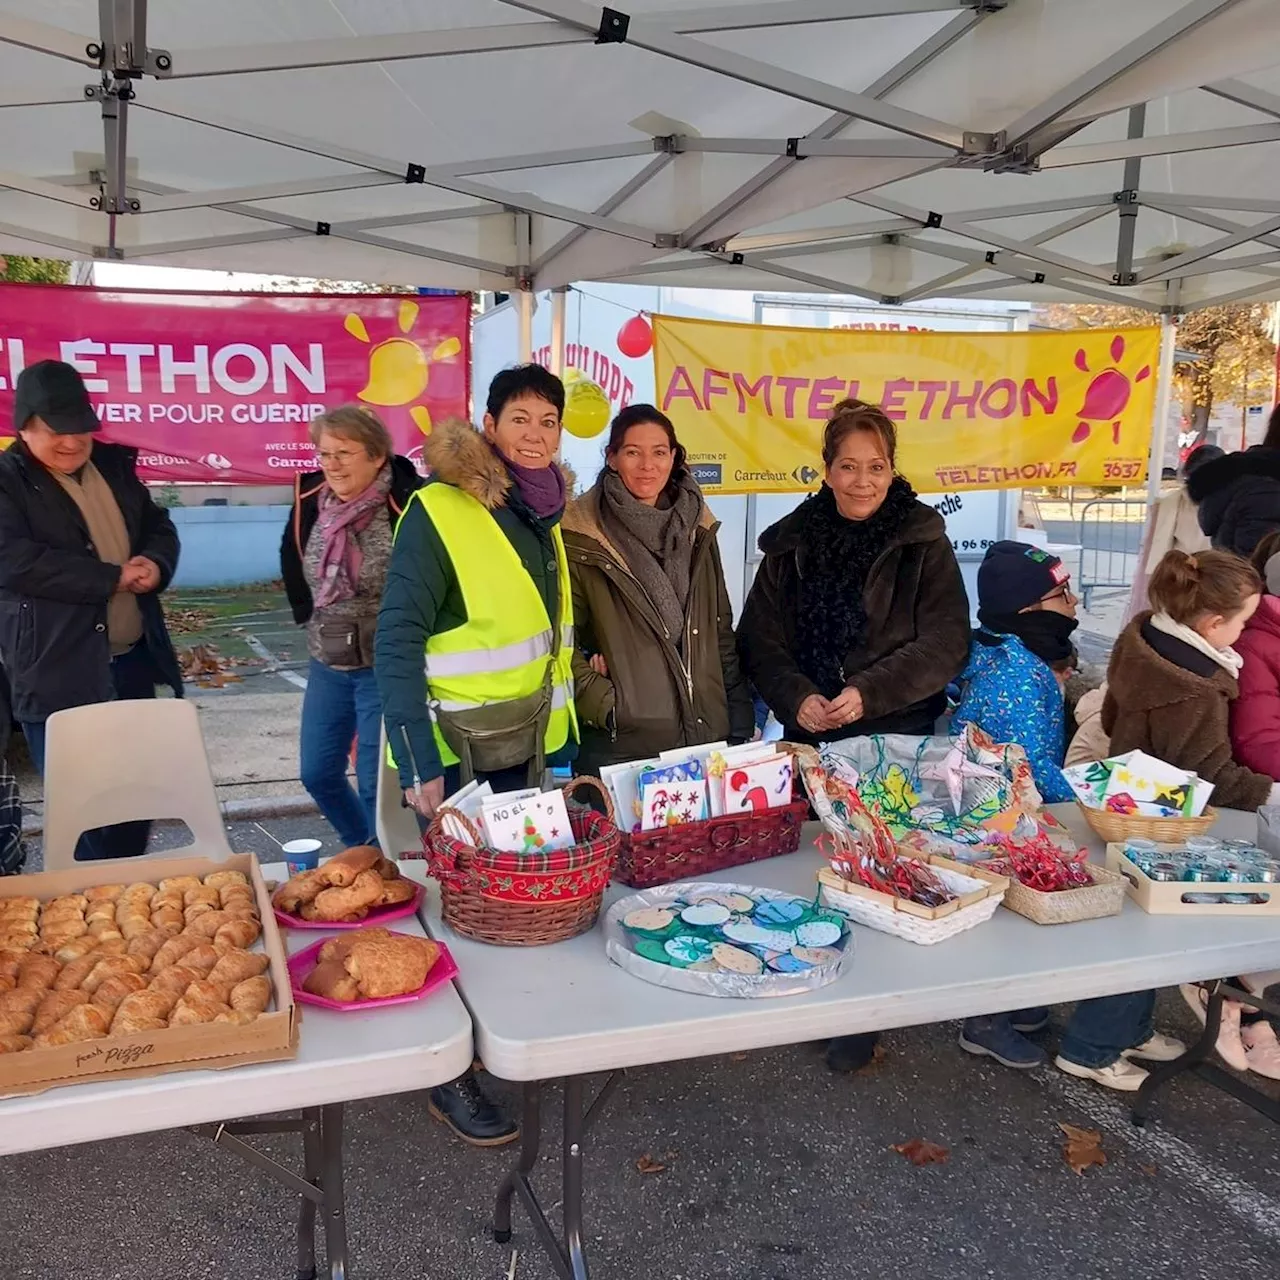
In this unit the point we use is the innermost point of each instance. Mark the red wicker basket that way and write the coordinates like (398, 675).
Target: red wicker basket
(524, 900)
(697, 849)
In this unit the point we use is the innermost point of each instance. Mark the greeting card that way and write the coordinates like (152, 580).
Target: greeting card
(533, 824)
(761, 785)
(468, 801)
(672, 804)
(719, 762)
(623, 781)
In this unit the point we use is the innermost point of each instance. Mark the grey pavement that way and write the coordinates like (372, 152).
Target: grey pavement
(775, 1170)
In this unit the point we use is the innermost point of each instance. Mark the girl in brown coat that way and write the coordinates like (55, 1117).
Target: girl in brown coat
(656, 665)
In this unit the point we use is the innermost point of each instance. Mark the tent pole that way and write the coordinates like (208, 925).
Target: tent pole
(558, 299)
(524, 301)
(1164, 393)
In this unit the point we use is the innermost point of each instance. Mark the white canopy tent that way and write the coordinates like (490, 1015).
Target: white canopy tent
(889, 149)
(892, 149)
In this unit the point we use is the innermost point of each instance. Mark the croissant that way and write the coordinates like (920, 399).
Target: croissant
(297, 891)
(230, 893)
(14, 1043)
(179, 883)
(342, 871)
(147, 945)
(171, 919)
(10, 961)
(54, 1007)
(217, 879)
(103, 893)
(112, 945)
(172, 951)
(109, 968)
(208, 924)
(393, 966)
(139, 891)
(74, 973)
(25, 906)
(100, 909)
(142, 1011)
(339, 903)
(14, 1022)
(15, 941)
(102, 929)
(238, 1017)
(235, 965)
(388, 869)
(237, 934)
(7, 983)
(331, 980)
(175, 980)
(69, 901)
(167, 898)
(21, 1000)
(76, 949)
(64, 930)
(87, 1022)
(395, 892)
(196, 910)
(191, 1011)
(252, 995)
(202, 989)
(194, 897)
(37, 971)
(340, 948)
(134, 926)
(109, 995)
(202, 958)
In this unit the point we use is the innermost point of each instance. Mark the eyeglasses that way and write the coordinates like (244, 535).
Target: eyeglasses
(338, 459)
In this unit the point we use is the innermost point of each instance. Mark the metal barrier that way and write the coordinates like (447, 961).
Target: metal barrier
(1111, 531)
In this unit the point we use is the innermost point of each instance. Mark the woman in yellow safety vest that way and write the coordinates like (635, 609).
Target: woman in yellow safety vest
(478, 600)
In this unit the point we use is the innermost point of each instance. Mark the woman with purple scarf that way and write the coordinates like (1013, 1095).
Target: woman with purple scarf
(334, 558)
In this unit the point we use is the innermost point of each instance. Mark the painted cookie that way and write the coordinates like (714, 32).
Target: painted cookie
(648, 919)
(818, 933)
(788, 963)
(705, 914)
(684, 950)
(816, 955)
(736, 960)
(781, 911)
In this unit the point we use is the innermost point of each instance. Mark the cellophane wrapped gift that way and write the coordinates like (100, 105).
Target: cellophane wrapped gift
(1269, 829)
(953, 796)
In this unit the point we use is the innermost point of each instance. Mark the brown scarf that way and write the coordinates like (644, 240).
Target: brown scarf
(656, 542)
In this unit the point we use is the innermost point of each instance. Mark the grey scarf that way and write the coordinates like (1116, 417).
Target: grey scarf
(656, 542)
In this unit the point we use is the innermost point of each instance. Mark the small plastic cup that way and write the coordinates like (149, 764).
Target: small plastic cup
(302, 855)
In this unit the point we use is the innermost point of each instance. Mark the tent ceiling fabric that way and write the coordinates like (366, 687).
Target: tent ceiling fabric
(892, 149)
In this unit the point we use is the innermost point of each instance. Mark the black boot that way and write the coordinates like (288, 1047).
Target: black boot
(848, 1054)
(467, 1110)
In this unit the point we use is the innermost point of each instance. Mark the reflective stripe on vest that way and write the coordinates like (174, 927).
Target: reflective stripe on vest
(502, 651)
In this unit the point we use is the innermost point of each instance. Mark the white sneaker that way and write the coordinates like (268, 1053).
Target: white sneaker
(1230, 1047)
(1157, 1048)
(1262, 1049)
(1121, 1075)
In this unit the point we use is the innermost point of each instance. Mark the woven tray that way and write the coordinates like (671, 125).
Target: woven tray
(980, 894)
(1118, 827)
(524, 901)
(695, 850)
(1104, 897)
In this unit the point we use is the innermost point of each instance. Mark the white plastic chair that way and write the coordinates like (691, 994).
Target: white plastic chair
(397, 825)
(126, 761)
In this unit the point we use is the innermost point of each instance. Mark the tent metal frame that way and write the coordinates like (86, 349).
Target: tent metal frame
(121, 54)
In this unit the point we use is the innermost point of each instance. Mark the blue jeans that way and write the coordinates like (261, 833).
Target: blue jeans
(134, 676)
(337, 707)
(1101, 1029)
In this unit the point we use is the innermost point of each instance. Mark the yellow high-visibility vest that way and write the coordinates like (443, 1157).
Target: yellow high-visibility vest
(501, 652)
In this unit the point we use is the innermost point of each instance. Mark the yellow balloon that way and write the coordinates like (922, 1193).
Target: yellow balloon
(586, 408)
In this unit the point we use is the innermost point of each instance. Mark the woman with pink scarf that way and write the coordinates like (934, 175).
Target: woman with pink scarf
(334, 562)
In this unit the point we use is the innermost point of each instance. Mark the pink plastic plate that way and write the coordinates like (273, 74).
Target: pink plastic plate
(301, 964)
(379, 915)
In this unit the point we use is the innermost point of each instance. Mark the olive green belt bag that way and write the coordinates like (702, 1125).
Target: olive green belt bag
(500, 735)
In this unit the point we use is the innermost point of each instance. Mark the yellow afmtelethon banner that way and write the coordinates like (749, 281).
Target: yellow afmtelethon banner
(974, 410)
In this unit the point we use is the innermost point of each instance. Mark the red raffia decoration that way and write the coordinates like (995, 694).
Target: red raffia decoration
(1040, 864)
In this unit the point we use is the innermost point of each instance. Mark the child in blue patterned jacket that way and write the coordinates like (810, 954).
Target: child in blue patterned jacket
(1012, 691)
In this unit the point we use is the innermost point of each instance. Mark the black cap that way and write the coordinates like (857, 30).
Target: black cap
(1015, 575)
(54, 391)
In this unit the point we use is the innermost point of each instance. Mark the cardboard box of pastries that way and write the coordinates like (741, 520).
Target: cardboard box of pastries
(37, 1061)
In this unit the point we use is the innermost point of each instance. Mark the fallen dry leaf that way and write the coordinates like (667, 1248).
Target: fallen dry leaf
(921, 1152)
(184, 621)
(1148, 1169)
(737, 1057)
(878, 1056)
(1083, 1147)
(647, 1164)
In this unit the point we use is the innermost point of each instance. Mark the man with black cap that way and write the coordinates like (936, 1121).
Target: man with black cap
(84, 553)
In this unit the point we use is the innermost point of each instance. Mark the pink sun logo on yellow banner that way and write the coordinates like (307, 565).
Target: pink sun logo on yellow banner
(399, 369)
(1107, 396)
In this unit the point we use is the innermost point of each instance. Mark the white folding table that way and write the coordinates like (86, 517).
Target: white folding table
(341, 1057)
(562, 1011)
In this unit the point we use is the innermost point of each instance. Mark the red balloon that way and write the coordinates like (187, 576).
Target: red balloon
(635, 338)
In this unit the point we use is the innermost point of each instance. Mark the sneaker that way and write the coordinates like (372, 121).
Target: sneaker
(1262, 1049)
(1121, 1075)
(464, 1107)
(1029, 1021)
(1197, 999)
(1229, 1045)
(847, 1054)
(1157, 1048)
(995, 1038)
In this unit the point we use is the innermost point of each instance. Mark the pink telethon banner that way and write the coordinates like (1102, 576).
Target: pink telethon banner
(223, 386)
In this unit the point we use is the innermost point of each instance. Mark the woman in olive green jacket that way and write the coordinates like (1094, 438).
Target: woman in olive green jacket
(656, 664)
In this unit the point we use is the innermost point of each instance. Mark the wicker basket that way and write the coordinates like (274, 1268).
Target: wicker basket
(1104, 897)
(1118, 827)
(980, 893)
(695, 850)
(524, 900)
